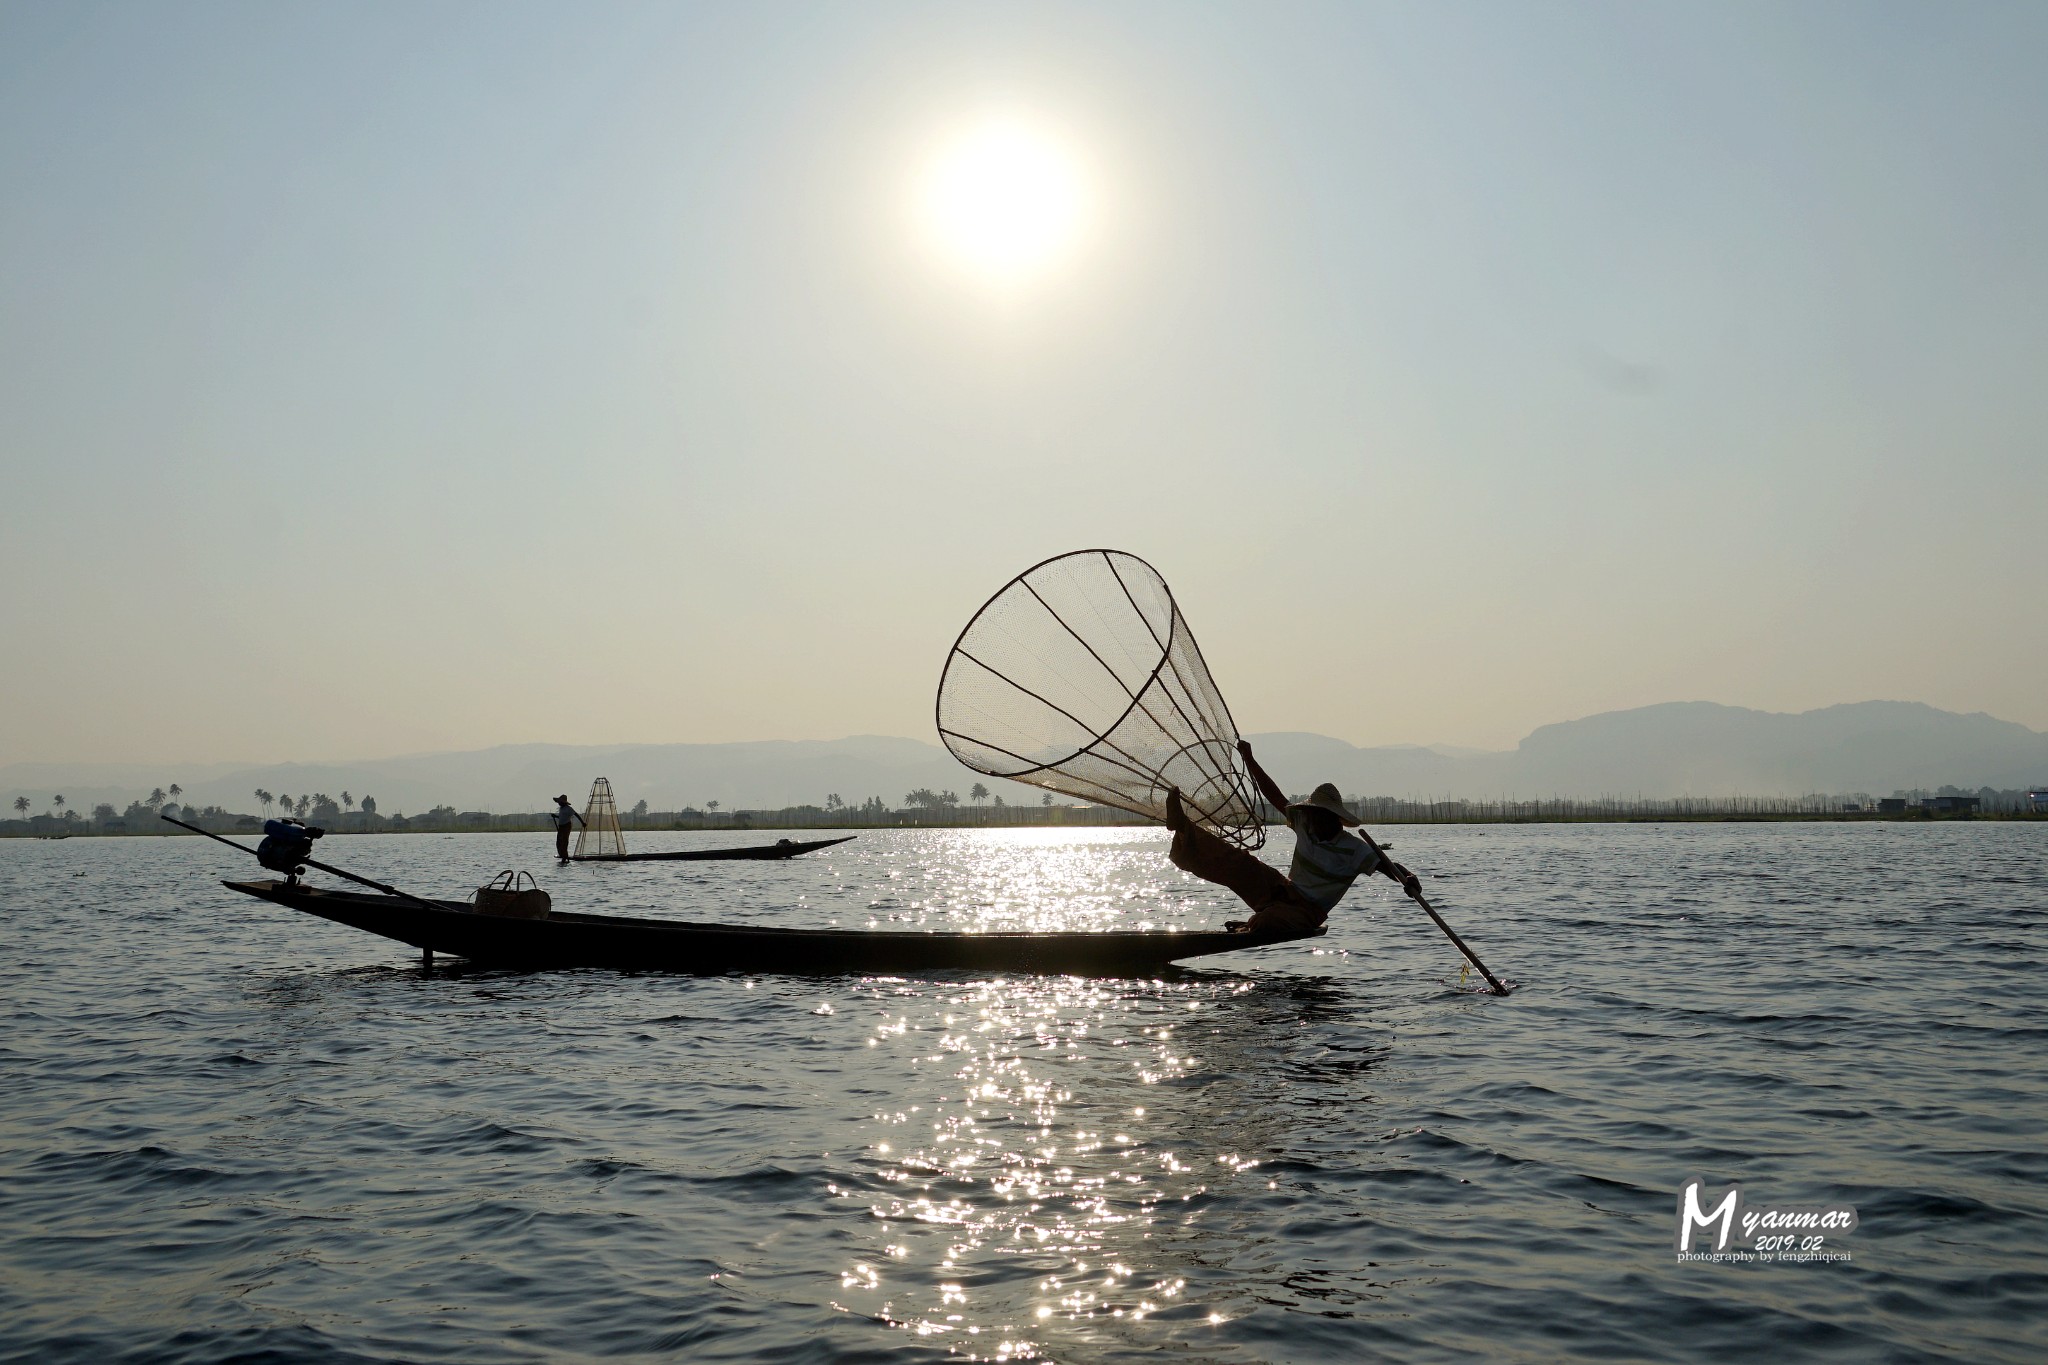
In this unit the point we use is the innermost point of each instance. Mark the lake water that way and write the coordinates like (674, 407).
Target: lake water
(230, 1132)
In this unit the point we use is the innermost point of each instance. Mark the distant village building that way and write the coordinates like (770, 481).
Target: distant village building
(1891, 805)
(2038, 798)
(1951, 805)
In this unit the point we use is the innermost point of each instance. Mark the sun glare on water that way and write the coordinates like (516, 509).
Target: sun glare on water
(1004, 201)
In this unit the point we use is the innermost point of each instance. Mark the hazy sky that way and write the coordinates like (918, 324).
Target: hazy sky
(379, 378)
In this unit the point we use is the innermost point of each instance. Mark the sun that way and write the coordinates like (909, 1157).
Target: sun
(1004, 201)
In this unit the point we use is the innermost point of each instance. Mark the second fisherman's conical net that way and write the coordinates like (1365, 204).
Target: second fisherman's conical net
(600, 836)
(1081, 676)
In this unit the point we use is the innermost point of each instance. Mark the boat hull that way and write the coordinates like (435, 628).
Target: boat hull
(758, 852)
(572, 940)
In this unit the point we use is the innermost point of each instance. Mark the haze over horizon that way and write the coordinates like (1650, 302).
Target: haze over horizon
(1679, 749)
(380, 380)
(310, 758)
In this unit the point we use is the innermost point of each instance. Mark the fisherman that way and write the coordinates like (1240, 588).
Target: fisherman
(1327, 859)
(563, 814)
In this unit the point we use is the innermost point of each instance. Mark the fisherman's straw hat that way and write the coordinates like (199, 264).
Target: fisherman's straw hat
(1326, 798)
(563, 797)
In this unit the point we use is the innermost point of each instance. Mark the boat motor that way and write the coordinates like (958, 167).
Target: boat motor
(286, 843)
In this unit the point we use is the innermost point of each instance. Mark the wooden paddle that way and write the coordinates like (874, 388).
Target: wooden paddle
(1270, 789)
(1450, 933)
(346, 876)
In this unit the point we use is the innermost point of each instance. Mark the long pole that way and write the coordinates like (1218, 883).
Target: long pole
(1470, 956)
(346, 876)
(1449, 932)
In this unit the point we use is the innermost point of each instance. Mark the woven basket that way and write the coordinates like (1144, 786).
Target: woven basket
(504, 896)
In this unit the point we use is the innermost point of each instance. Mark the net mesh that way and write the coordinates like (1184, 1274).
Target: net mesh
(600, 836)
(1082, 677)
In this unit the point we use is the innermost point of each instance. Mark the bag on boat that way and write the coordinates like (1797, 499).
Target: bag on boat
(504, 896)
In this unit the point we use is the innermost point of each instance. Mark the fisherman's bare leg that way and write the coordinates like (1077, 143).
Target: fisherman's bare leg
(1277, 908)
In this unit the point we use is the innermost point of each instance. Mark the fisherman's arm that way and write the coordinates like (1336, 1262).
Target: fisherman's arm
(1393, 871)
(1388, 868)
(1268, 788)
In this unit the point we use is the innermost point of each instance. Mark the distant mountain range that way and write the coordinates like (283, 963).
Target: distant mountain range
(1692, 749)
(1677, 749)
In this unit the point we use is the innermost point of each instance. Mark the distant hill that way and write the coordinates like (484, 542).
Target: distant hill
(1699, 748)
(1692, 749)
(1677, 749)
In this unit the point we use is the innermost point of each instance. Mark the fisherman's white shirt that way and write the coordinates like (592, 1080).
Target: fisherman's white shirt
(1325, 868)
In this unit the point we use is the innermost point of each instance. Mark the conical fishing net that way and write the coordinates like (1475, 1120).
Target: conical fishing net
(600, 836)
(1081, 676)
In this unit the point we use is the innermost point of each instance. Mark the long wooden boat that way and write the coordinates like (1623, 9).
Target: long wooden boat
(564, 939)
(783, 849)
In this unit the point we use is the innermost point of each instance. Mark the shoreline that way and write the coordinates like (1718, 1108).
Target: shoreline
(232, 825)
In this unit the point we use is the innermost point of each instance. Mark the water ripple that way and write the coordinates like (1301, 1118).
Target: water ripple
(231, 1133)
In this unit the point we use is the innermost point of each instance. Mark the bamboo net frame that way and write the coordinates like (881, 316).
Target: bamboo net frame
(1081, 676)
(600, 836)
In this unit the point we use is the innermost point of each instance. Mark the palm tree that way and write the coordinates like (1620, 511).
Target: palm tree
(347, 802)
(263, 799)
(286, 802)
(56, 804)
(21, 805)
(304, 803)
(176, 791)
(156, 796)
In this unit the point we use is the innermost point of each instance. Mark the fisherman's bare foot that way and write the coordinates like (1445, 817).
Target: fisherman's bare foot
(1176, 816)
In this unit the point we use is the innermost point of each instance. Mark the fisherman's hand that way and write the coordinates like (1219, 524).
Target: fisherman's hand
(1410, 883)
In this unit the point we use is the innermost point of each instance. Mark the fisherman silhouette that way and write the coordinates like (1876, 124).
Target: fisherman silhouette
(1327, 859)
(562, 815)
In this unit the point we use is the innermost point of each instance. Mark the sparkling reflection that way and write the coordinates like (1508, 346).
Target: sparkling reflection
(1038, 880)
(1016, 1200)
(1055, 1150)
